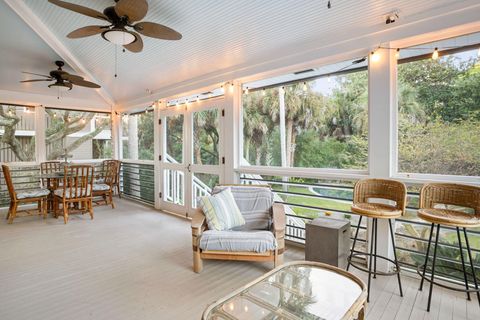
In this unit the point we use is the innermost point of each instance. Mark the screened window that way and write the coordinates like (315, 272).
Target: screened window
(137, 136)
(77, 135)
(439, 114)
(17, 133)
(316, 123)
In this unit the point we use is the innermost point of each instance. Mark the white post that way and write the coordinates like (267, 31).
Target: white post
(232, 132)
(382, 103)
(283, 144)
(116, 135)
(157, 152)
(40, 146)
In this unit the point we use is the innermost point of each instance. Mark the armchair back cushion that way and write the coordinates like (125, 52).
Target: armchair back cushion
(221, 211)
(255, 204)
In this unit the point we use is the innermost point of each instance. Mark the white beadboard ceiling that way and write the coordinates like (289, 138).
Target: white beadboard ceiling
(21, 49)
(217, 36)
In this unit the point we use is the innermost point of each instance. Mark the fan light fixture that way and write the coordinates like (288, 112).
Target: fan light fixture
(60, 86)
(119, 36)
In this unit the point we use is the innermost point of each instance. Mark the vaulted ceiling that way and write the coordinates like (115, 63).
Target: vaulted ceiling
(218, 37)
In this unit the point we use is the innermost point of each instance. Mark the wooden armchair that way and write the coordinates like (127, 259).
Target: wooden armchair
(255, 226)
(38, 196)
(76, 191)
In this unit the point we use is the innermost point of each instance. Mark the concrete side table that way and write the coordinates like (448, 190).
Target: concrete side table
(328, 240)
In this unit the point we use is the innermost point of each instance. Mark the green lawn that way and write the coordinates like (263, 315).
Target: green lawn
(309, 201)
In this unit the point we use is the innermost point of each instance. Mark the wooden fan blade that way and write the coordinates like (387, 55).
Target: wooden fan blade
(79, 9)
(36, 74)
(84, 83)
(86, 31)
(156, 30)
(135, 46)
(36, 80)
(71, 77)
(135, 10)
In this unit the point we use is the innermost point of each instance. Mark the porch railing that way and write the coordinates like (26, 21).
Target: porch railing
(137, 181)
(305, 201)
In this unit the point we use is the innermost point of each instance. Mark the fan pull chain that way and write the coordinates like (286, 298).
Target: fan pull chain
(115, 61)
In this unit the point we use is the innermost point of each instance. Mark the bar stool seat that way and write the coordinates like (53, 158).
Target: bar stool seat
(376, 210)
(447, 217)
(451, 197)
(366, 196)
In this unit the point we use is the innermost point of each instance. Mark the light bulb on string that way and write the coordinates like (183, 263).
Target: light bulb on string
(246, 90)
(435, 54)
(397, 53)
(198, 99)
(264, 92)
(232, 87)
(328, 78)
(305, 87)
(374, 56)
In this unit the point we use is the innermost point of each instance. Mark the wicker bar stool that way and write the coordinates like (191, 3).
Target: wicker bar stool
(377, 189)
(436, 201)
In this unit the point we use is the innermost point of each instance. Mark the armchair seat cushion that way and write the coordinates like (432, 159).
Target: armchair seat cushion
(100, 187)
(238, 241)
(59, 193)
(37, 193)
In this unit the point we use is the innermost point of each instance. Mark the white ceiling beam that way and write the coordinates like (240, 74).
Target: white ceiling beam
(31, 19)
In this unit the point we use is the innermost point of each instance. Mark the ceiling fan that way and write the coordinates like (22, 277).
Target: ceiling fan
(120, 16)
(63, 80)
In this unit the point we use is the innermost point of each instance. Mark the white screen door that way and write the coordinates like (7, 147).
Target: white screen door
(191, 153)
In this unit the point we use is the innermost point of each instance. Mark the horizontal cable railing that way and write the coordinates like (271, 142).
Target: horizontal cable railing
(306, 201)
(137, 181)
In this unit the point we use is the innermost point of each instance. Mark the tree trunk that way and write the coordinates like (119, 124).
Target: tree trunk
(258, 158)
(293, 147)
(289, 134)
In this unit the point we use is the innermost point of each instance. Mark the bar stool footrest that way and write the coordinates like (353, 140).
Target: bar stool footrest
(420, 271)
(378, 273)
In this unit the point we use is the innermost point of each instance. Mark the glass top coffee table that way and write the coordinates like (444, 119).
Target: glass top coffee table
(296, 290)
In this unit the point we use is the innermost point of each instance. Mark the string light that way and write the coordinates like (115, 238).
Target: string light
(305, 87)
(177, 103)
(246, 90)
(478, 53)
(328, 78)
(221, 89)
(232, 87)
(83, 121)
(198, 99)
(435, 54)
(397, 53)
(374, 56)
(264, 92)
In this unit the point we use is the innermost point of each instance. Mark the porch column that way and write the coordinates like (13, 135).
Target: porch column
(116, 135)
(232, 125)
(382, 103)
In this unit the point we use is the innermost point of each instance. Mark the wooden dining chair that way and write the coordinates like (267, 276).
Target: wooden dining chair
(36, 195)
(75, 195)
(104, 188)
(116, 181)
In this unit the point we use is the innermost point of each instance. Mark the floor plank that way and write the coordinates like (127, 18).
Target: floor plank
(136, 263)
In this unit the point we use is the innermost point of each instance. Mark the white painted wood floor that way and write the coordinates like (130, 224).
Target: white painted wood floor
(135, 263)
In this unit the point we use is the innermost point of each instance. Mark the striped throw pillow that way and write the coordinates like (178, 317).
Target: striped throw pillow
(221, 211)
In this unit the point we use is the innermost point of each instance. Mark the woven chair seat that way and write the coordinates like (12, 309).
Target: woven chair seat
(376, 210)
(449, 217)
